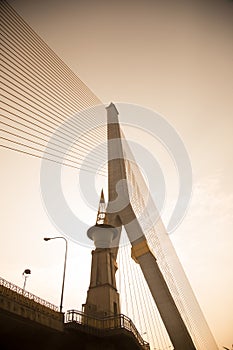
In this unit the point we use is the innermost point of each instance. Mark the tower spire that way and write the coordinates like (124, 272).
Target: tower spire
(101, 218)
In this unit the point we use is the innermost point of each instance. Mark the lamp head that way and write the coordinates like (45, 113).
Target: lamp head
(27, 272)
(47, 239)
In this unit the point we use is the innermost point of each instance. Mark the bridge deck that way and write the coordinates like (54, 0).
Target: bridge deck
(32, 323)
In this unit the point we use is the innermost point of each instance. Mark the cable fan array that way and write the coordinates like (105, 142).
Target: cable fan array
(166, 256)
(43, 100)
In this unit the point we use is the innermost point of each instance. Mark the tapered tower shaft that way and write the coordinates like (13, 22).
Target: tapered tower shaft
(121, 213)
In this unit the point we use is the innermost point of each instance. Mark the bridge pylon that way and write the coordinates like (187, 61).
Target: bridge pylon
(121, 213)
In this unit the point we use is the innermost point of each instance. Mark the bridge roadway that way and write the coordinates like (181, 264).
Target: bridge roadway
(28, 322)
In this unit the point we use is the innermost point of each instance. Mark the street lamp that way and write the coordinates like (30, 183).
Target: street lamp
(64, 271)
(25, 274)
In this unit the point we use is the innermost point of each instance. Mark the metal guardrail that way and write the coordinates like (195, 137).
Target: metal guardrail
(106, 323)
(27, 295)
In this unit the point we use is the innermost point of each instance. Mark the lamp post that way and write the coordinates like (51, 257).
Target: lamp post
(26, 274)
(64, 271)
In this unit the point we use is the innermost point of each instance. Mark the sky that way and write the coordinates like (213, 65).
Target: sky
(174, 57)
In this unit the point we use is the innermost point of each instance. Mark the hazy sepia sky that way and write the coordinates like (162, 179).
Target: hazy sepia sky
(174, 57)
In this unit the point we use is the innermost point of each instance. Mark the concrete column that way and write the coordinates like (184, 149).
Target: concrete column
(102, 296)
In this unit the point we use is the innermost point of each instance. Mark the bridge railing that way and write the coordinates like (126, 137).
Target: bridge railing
(106, 323)
(28, 295)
